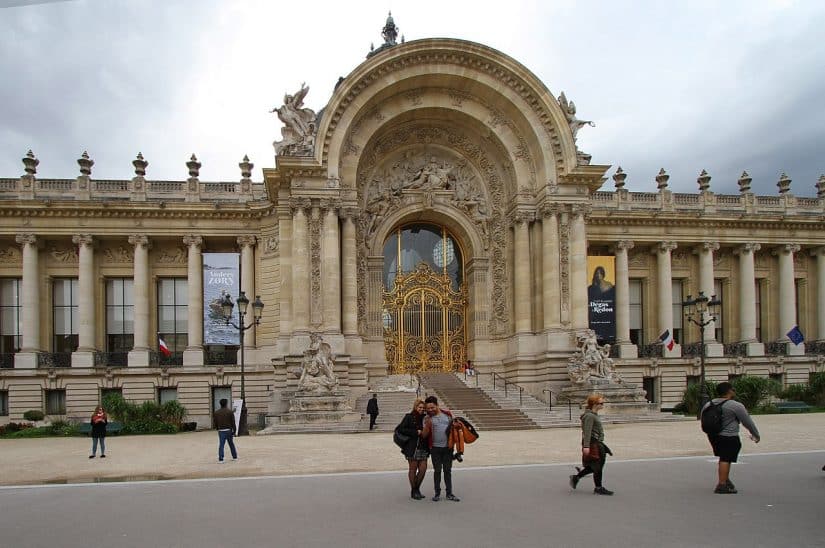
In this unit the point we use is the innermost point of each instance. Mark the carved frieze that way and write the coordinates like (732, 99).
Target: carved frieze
(118, 255)
(172, 255)
(272, 242)
(63, 254)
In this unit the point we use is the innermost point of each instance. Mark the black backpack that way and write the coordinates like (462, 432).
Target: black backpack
(712, 423)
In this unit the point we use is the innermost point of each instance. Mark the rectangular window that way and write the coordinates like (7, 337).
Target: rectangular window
(4, 403)
(758, 306)
(173, 297)
(677, 300)
(166, 394)
(64, 308)
(120, 315)
(10, 325)
(692, 380)
(636, 312)
(717, 290)
(649, 386)
(55, 402)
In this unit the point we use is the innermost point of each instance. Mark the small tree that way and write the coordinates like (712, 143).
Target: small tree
(34, 415)
(691, 399)
(752, 391)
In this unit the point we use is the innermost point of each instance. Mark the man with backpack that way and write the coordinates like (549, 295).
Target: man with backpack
(720, 420)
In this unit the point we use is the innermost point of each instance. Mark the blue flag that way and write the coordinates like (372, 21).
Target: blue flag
(795, 335)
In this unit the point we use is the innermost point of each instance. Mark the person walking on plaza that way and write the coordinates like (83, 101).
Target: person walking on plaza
(99, 421)
(416, 449)
(726, 443)
(225, 424)
(437, 431)
(372, 410)
(594, 451)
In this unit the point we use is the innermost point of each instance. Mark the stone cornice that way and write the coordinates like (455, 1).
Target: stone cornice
(145, 210)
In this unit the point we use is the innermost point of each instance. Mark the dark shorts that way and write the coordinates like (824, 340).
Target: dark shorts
(726, 447)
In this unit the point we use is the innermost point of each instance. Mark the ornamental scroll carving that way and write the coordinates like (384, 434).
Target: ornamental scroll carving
(469, 181)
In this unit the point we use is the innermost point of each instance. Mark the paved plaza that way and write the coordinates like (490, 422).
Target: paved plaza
(350, 490)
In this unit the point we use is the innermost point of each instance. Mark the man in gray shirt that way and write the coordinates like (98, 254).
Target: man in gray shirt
(437, 431)
(726, 443)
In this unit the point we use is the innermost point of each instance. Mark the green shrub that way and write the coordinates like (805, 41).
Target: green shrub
(8, 430)
(797, 392)
(34, 415)
(752, 391)
(691, 397)
(145, 418)
(817, 386)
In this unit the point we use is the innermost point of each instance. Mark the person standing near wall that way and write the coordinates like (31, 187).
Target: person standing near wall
(372, 410)
(99, 421)
(225, 424)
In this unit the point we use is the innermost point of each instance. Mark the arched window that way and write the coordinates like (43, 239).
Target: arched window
(410, 245)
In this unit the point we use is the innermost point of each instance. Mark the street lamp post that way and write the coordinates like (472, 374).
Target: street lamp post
(257, 309)
(702, 311)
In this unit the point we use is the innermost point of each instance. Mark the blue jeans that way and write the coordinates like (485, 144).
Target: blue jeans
(223, 437)
(102, 445)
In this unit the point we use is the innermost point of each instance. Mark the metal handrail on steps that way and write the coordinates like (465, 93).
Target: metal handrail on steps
(506, 382)
(549, 400)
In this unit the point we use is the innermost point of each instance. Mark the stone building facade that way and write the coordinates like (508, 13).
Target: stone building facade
(439, 163)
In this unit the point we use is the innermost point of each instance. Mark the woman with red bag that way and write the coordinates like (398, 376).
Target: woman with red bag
(99, 421)
(594, 451)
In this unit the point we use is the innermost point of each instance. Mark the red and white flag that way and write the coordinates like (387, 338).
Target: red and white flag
(163, 348)
(667, 339)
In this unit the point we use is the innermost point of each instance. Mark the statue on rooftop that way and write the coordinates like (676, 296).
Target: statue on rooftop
(299, 125)
(569, 108)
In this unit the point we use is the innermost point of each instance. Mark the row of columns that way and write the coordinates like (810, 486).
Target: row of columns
(338, 268)
(746, 297)
(193, 355)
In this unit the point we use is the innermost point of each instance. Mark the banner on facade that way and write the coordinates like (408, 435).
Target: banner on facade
(601, 297)
(221, 277)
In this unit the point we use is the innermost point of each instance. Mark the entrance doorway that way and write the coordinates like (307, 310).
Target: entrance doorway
(425, 300)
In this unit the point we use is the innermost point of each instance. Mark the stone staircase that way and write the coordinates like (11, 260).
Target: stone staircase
(561, 415)
(471, 402)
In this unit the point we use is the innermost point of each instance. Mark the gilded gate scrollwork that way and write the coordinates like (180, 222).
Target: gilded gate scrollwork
(424, 322)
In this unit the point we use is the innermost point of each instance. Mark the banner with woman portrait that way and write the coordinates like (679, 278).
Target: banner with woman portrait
(601, 297)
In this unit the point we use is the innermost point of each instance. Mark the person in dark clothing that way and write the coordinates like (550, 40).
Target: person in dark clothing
(99, 421)
(225, 424)
(416, 450)
(372, 410)
(594, 451)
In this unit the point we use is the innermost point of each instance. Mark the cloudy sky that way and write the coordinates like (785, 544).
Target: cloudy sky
(685, 85)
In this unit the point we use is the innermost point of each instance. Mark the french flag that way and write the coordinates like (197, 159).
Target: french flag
(667, 339)
(163, 348)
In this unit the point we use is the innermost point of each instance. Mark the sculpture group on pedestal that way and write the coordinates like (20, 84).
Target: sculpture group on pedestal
(299, 126)
(592, 363)
(317, 375)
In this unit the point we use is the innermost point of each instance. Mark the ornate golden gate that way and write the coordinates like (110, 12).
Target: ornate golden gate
(424, 322)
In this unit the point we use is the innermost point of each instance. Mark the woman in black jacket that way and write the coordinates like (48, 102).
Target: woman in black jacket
(99, 421)
(416, 451)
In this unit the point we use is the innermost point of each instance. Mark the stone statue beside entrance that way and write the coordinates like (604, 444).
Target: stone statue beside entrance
(592, 361)
(317, 376)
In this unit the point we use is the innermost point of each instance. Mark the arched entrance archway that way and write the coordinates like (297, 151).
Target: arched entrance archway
(424, 300)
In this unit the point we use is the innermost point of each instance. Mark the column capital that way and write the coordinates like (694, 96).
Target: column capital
(193, 240)
(520, 216)
(785, 248)
(582, 210)
(709, 247)
(300, 204)
(664, 247)
(82, 239)
(24, 239)
(140, 240)
(749, 247)
(351, 213)
(246, 240)
(547, 210)
(625, 245)
(331, 206)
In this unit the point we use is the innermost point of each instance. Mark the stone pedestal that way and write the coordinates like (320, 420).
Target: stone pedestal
(307, 409)
(620, 398)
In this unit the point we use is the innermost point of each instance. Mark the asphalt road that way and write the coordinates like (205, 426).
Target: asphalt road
(661, 503)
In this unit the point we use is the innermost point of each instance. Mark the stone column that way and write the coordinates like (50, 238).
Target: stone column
(521, 274)
(300, 267)
(665, 293)
(787, 297)
(551, 278)
(193, 355)
(578, 268)
(331, 270)
(626, 348)
(139, 355)
(247, 245)
(29, 304)
(84, 356)
(819, 253)
(285, 291)
(747, 299)
(349, 280)
(706, 284)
